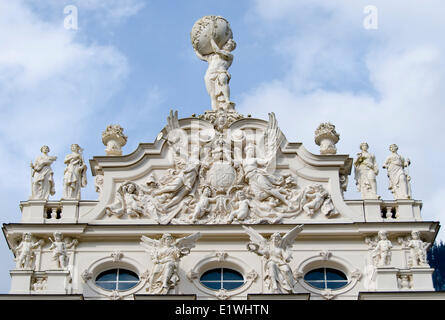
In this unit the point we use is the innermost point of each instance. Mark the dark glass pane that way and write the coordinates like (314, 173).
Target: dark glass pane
(107, 285)
(229, 274)
(109, 275)
(232, 285)
(317, 284)
(317, 274)
(332, 274)
(125, 275)
(212, 285)
(126, 285)
(214, 274)
(336, 285)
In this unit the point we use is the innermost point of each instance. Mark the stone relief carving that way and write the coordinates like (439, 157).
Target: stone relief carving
(326, 137)
(405, 281)
(75, 175)
(212, 41)
(38, 283)
(381, 249)
(42, 176)
(59, 248)
(213, 183)
(25, 251)
(399, 179)
(366, 171)
(278, 276)
(417, 250)
(166, 254)
(114, 139)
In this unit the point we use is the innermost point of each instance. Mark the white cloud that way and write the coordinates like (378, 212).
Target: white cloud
(382, 86)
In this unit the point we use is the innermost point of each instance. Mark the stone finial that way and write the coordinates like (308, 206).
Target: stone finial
(326, 137)
(114, 139)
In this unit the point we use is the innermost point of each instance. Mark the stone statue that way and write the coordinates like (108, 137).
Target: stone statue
(212, 43)
(166, 254)
(75, 174)
(366, 170)
(278, 276)
(42, 176)
(326, 137)
(59, 249)
(25, 252)
(203, 205)
(398, 178)
(418, 251)
(381, 255)
(243, 210)
(114, 139)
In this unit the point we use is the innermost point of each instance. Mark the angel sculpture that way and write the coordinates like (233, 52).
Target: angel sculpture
(25, 251)
(181, 181)
(59, 249)
(262, 183)
(278, 274)
(418, 250)
(166, 254)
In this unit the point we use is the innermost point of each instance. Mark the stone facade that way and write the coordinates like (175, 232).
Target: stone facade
(221, 192)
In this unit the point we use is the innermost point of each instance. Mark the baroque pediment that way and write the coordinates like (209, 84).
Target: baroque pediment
(220, 168)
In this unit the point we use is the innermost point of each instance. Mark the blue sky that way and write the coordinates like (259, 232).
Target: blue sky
(131, 61)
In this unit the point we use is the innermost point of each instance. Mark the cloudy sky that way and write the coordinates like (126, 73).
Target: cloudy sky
(309, 61)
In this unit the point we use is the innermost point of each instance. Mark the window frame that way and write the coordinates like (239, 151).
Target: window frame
(117, 280)
(221, 280)
(325, 280)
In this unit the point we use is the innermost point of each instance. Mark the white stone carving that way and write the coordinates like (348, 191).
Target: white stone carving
(25, 251)
(417, 250)
(212, 184)
(42, 176)
(278, 276)
(325, 254)
(99, 183)
(39, 284)
(212, 41)
(86, 275)
(405, 281)
(59, 248)
(399, 179)
(222, 294)
(381, 249)
(326, 137)
(166, 254)
(366, 171)
(75, 174)
(114, 139)
(117, 256)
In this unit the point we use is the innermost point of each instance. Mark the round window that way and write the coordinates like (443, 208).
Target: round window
(222, 278)
(117, 279)
(326, 278)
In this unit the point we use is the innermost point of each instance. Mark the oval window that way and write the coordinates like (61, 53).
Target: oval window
(222, 278)
(326, 278)
(117, 279)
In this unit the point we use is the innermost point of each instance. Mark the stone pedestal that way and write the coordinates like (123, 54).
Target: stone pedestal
(69, 211)
(20, 281)
(57, 281)
(405, 210)
(386, 279)
(33, 211)
(423, 279)
(372, 210)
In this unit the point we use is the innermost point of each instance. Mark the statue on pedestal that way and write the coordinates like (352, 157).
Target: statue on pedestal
(417, 252)
(59, 249)
(42, 176)
(381, 254)
(398, 178)
(75, 174)
(25, 252)
(366, 171)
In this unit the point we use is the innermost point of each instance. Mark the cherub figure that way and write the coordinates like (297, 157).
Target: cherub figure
(381, 255)
(128, 201)
(59, 249)
(25, 251)
(278, 274)
(418, 249)
(243, 208)
(203, 205)
(166, 254)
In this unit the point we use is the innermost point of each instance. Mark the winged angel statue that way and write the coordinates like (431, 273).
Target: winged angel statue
(278, 276)
(165, 255)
